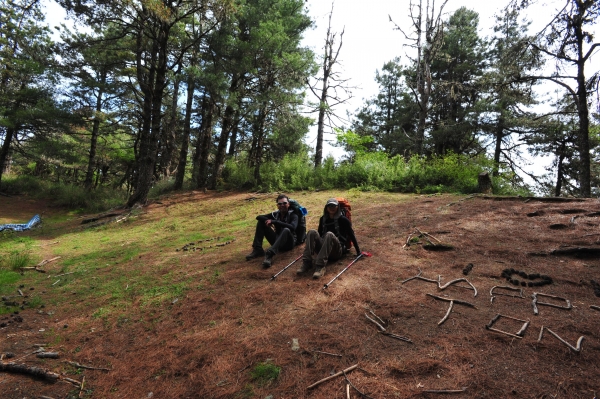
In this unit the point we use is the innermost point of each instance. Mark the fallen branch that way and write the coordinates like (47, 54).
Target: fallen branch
(33, 371)
(595, 307)
(72, 381)
(327, 353)
(82, 385)
(46, 261)
(505, 287)
(349, 384)
(36, 268)
(407, 240)
(424, 234)
(535, 302)
(47, 355)
(401, 338)
(81, 366)
(60, 275)
(576, 348)
(447, 313)
(458, 280)
(376, 323)
(377, 317)
(519, 334)
(439, 283)
(457, 301)
(333, 376)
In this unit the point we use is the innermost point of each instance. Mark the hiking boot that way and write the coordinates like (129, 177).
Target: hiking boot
(256, 253)
(319, 272)
(306, 266)
(268, 259)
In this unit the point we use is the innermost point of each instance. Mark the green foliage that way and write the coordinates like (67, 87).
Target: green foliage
(264, 373)
(371, 171)
(67, 195)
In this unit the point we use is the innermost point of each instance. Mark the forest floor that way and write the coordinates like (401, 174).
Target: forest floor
(226, 318)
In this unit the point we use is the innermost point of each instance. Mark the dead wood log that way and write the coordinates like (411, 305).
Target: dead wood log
(595, 307)
(29, 370)
(333, 376)
(47, 355)
(576, 348)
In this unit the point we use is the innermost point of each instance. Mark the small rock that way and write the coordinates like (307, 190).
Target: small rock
(295, 344)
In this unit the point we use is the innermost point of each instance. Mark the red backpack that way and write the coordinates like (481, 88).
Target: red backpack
(346, 210)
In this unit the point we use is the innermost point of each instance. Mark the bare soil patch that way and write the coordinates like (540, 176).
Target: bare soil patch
(205, 344)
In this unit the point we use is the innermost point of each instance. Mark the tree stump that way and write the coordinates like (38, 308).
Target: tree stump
(485, 183)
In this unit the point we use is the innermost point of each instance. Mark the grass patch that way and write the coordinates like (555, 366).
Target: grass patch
(19, 259)
(265, 373)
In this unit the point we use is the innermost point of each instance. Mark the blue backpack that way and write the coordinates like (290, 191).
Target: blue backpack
(301, 212)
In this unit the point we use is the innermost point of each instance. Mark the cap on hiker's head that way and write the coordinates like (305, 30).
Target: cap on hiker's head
(332, 201)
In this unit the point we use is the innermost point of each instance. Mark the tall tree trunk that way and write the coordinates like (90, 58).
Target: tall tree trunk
(559, 169)
(170, 135)
(259, 133)
(89, 176)
(5, 151)
(320, 125)
(185, 140)
(498, 149)
(152, 87)
(234, 132)
(200, 164)
(584, 126)
(226, 127)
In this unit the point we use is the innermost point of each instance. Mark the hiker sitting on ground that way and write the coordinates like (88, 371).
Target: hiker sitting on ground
(282, 238)
(330, 241)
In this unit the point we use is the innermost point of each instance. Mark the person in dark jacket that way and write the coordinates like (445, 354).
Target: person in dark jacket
(279, 228)
(330, 241)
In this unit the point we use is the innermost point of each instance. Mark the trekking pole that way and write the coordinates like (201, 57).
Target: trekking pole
(285, 268)
(367, 254)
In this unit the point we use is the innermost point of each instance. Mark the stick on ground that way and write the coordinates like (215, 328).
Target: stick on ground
(333, 376)
(576, 348)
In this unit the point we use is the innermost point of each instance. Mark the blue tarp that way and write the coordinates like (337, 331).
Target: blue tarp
(20, 227)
